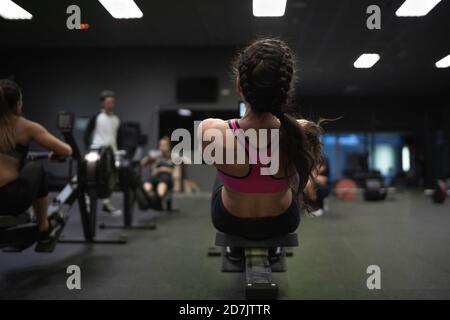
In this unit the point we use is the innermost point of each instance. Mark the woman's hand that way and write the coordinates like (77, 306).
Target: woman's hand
(143, 162)
(146, 161)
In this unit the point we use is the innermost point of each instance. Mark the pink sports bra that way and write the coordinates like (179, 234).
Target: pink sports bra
(253, 181)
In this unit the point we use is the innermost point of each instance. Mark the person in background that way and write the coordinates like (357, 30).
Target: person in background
(165, 175)
(102, 131)
(317, 190)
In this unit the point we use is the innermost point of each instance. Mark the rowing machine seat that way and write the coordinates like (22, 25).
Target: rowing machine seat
(256, 264)
(11, 221)
(17, 232)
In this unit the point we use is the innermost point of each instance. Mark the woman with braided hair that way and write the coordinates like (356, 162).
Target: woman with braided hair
(245, 202)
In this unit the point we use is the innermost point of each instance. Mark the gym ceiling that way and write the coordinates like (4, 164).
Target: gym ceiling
(328, 36)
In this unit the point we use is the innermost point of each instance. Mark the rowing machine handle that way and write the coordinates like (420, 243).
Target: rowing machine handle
(35, 156)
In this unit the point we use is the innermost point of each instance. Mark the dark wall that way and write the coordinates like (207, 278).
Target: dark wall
(144, 79)
(145, 82)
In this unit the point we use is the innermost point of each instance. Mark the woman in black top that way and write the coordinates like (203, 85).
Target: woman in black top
(165, 174)
(23, 184)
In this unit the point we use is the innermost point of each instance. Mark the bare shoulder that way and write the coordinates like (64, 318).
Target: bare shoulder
(213, 129)
(31, 126)
(27, 129)
(213, 123)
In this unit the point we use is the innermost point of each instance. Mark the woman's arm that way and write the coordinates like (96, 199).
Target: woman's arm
(147, 160)
(209, 130)
(313, 131)
(310, 191)
(321, 177)
(45, 139)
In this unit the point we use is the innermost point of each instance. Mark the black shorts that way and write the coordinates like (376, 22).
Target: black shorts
(162, 177)
(18, 196)
(253, 228)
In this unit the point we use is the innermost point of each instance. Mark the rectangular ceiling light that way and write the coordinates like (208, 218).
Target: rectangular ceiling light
(122, 9)
(416, 8)
(366, 60)
(443, 63)
(269, 8)
(11, 11)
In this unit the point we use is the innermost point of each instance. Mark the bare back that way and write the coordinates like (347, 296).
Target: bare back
(27, 131)
(249, 205)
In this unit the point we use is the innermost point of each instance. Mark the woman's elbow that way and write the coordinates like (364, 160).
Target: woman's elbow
(67, 150)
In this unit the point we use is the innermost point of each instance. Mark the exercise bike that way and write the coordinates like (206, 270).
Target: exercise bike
(95, 178)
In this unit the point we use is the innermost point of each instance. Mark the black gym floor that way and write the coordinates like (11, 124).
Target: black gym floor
(407, 237)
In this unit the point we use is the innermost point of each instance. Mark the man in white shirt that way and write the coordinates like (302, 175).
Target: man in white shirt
(105, 134)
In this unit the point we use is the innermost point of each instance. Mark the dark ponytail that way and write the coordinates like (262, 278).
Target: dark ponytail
(266, 73)
(10, 95)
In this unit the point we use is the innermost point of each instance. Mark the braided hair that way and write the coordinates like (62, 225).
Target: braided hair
(266, 73)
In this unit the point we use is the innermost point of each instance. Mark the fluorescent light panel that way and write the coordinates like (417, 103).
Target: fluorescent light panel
(406, 159)
(416, 8)
(269, 8)
(122, 9)
(443, 63)
(11, 11)
(184, 112)
(366, 60)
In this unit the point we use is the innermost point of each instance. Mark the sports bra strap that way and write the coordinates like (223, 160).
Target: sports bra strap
(240, 136)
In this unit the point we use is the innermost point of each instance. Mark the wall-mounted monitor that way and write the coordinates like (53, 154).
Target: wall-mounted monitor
(242, 108)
